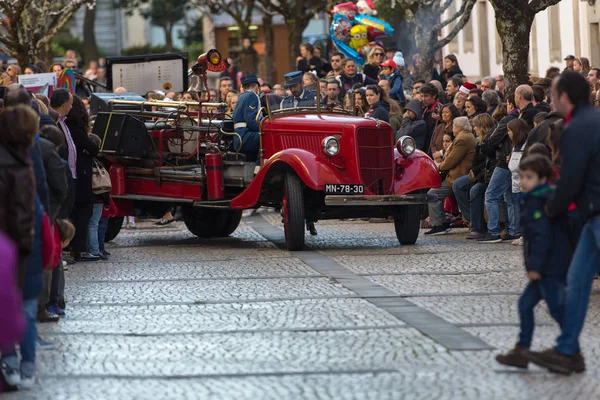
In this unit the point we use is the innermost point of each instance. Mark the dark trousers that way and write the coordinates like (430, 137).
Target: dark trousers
(82, 212)
(102, 225)
(549, 289)
(57, 288)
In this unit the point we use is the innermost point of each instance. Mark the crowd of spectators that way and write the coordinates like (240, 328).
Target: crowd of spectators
(493, 150)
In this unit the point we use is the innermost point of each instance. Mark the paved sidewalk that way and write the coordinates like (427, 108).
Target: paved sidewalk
(355, 316)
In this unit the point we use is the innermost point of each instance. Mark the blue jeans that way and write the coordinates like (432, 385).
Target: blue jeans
(471, 206)
(500, 186)
(515, 216)
(102, 225)
(437, 215)
(584, 267)
(28, 342)
(93, 246)
(549, 289)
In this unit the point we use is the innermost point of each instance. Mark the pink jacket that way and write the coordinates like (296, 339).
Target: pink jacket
(11, 315)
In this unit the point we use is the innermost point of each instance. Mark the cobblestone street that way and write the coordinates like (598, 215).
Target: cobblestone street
(355, 316)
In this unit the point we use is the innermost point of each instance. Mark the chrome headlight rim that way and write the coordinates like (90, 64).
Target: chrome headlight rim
(326, 146)
(406, 145)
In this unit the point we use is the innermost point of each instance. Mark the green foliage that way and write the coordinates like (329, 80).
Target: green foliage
(145, 49)
(193, 33)
(60, 44)
(165, 12)
(194, 50)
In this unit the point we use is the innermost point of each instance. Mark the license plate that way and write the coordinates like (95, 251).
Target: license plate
(344, 189)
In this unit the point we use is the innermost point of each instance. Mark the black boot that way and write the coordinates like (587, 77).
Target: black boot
(310, 226)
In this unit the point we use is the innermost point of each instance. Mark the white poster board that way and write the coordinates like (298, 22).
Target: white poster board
(143, 77)
(39, 83)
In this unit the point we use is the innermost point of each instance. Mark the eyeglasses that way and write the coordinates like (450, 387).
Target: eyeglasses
(378, 54)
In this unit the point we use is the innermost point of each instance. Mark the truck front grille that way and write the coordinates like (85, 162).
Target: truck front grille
(376, 159)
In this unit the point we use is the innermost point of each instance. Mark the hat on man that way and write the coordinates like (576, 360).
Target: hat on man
(389, 63)
(570, 57)
(467, 87)
(292, 79)
(249, 79)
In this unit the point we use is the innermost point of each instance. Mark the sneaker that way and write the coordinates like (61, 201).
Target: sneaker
(490, 239)
(42, 344)
(27, 382)
(56, 310)
(12, 376)
(518, 242)
(475, 235)
(101, 256)
(514, 358)
(82, 257)
(105, 253)
(438, 230)
(44, 316)
(553, 360)
(64, 263)
(510, 238)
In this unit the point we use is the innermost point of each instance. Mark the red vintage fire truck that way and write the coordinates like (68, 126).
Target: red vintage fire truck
(315, 165)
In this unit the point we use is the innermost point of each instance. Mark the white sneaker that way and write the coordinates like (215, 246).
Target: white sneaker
(11, 376)
(27, 382)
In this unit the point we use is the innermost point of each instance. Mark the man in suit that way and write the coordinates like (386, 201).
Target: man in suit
(244, 119)
(299, 97)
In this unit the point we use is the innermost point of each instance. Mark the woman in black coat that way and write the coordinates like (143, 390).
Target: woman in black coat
(379, 103)
(78, 122)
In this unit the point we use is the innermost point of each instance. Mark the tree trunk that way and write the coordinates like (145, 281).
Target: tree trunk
(89, 35)
(514, 31)
(168, 38)
(44, 54)
(269, 47)
(425, 39)
(295, 40)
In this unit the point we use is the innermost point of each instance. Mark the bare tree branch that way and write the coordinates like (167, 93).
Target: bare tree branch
(461, 24)
(458, 14)
(540, 5)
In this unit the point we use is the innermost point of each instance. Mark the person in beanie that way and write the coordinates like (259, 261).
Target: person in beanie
(413, 125)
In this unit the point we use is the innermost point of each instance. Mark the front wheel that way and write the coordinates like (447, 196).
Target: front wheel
(407, 223)
(233, 218)
(113, 227)
(293, 213)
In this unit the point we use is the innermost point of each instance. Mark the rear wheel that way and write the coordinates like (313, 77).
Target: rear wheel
(293, 213)
(113, 228)
(205, 222)
(233, 220)
(407, 224)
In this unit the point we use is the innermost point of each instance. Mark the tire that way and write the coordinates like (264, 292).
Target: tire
(204, 222)
(113, 228)
(233, 220)
(293, 213)
(407, 224)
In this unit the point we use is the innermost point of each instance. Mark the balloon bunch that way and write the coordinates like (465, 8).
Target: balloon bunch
(354, 29)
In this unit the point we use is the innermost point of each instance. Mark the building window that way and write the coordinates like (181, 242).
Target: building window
(554, 24)
(453, 46)
(468, 41)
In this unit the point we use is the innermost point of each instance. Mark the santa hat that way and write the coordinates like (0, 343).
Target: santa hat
(467, 87)
(370, 4)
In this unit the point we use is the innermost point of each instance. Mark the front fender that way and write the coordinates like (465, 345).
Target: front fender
(312, 170)
(416, 172)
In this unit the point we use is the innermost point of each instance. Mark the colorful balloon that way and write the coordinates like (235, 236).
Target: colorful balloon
(376, 23)
(358, 37)
(354, 29)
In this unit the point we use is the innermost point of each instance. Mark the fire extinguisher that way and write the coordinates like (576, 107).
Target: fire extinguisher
(214, 176)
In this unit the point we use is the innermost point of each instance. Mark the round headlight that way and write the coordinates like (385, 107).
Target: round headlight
(406, 145)
(214, 57)
(331, 146)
